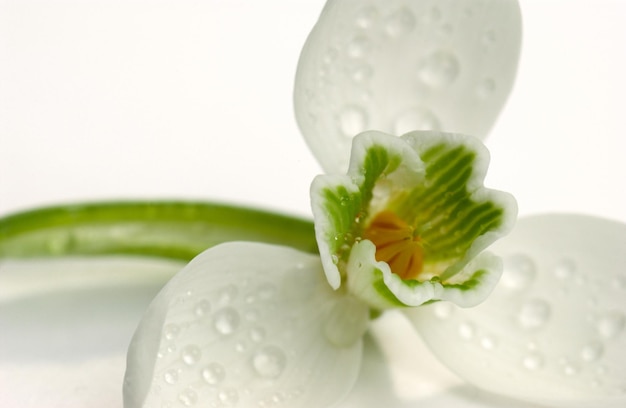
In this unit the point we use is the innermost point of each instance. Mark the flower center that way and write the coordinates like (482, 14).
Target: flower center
(396, 244)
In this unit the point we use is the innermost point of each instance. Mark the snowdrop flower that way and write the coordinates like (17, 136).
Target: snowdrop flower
(407, 225)
(258, 326)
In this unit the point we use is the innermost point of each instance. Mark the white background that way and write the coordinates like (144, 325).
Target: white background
(112, 99)
(192, 99)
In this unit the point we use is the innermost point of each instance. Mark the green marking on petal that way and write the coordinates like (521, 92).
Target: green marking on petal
(420, 202)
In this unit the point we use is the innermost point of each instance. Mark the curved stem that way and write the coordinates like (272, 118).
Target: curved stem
(175, 230)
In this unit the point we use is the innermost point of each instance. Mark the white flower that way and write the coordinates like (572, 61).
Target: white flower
(408, 223)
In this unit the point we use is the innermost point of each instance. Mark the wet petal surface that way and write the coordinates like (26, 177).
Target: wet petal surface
(398, 66)
(247, 325)
(556, 323)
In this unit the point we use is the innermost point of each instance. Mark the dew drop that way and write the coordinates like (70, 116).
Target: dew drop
(443, 310)
(565, 269)
(330, 56)
(240, 346)
(335, 259)
(269, 362)
(466, 331)
(213, 374)
(486, 88)
(488, 343)
(534, 314)
(362, 73)
(519, 272)
(171, 331)
(400, 23)
(570, 368)
(438, 69)
(366, 17)
(532, 362)
(191, 354)
(592, 352)
(188, 397)
(228, 397)
(416, 119)
(352, 120)
(226, 321)
(228, 294)
(358, 47)
(171, 376)
(611, 324)
(257, 334)
(202, 308)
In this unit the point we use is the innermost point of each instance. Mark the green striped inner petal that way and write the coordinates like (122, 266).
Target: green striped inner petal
(444, 210)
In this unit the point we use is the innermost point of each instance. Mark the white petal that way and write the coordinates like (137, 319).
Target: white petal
(400, 65)
(249, 325)
(554, 330)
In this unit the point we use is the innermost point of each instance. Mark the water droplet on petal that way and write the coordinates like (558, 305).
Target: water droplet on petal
(400, 23)
(416, 119)
(202, 308)
(366, 17)
(488, 343)
(170, 331)
(191, 354)
(533, 361)
(171, 376)
(228, 294)
(534, 314)
(358, 47)
(611, 324)
(188, 397)
(352, 120)
(438, 69)
(269, 362)
(443, 310)
(592, 351)
(362, 73)
(519, 272)
(228, 397)
(214, 373)
(570, 368)
(226, 321)
(466, 331)
(565, 269)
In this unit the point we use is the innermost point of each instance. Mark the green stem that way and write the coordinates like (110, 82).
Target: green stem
(175, 230)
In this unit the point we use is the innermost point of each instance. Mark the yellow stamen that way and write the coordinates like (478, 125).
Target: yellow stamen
(396, 244)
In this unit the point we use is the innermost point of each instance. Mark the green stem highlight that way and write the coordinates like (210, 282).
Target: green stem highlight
(174, 230)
